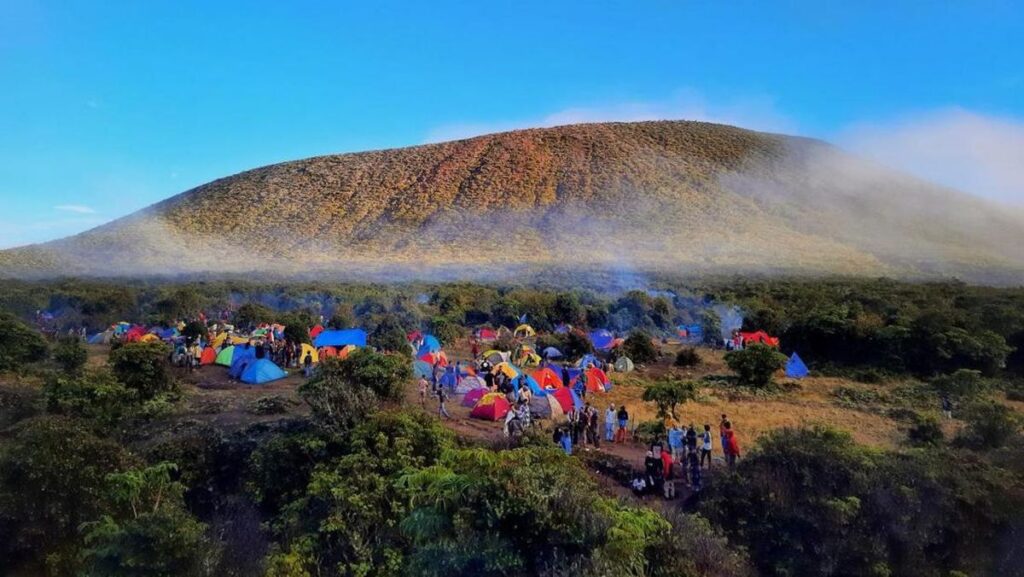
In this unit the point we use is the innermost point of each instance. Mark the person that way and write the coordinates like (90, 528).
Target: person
(423, 390)
(653, 468)
(593, 422)
(732, 451)
(458, 374)
(721, 433)
(696, 481)
(666, 471)
(566, 380)
(675, 441)
(639, 486)
(580, 428)
(567, 443)
(691, 439)
(442, 396)
(623, 417)
(609, 424)
(705, 449)
(489, 380)
(947, 407)
(475, 349)
(307, 365)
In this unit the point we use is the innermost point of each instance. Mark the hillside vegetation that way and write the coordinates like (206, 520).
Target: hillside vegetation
(651, 196)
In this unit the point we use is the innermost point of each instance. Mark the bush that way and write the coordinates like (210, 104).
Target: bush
(577, 344)
(925, 432)
(990, 425)
(648, 432)
(95, 395)
(962, 384)
(271, 405)
(687, 357)
(711, 327)
(70, 355)
(389, 336)
(756, 364)
(445, 329)
(252, 314)
(667, 393)
(142, 367)
(19, 344)
(194, 331)
(639, 348)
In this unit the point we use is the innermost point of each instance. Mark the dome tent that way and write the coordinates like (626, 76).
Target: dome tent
(262, 371)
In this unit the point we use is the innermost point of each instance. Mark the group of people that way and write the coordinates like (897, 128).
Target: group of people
(683, 458)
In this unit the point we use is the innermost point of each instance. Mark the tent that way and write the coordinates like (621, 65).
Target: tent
(552, 353)
(795, 367)
(494, 357)
(208, 356)
(588, 360)
(491, 407)
(486, 334)
(527, 356)
(422, 369)
(308, 349)
(468, 384)
(262, 371)
(602, 339)
(473, 396)
(510, 370)
(316, 331)
(239, 364)
(438, 358)
(546, 407)
(225, 356)
(757, 337)
(96, 339)
(524, 330)
(597, 380)
(430, 344)
(624, 365)
(567, 399)
(548, 378)
(563, 329)
(149, 338)
(340, 338)
(168, 333)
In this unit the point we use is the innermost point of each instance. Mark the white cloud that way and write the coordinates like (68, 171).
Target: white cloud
(75, 208)
(758, 113)
(975, 153)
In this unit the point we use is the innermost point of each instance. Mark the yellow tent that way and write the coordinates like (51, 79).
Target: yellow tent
(150, 338)
(525, 331)
(308, 349)
(507, 368)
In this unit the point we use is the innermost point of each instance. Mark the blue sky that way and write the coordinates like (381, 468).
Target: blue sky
(108, 106)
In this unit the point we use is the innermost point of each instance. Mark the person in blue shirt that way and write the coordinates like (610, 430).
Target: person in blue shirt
(675, 442)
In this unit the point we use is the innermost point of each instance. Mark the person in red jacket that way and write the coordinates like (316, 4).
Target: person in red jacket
(731, 444)
(667, 473)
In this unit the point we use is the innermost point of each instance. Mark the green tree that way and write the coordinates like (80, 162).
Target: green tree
(990, 425)
(194, 331)
(152, 534)
(52, 480)
(252, 314)
(183, 303)
(70, 355)
(142, 367)
(343, 317)
(639, 347)
(567, 308)
(95, 395)
(667, 393)
(337, 403)
(19, 344)
(577, 344)
(711, 327)
(962, 384)
(446, 329)
(389, 336)
(756, 364)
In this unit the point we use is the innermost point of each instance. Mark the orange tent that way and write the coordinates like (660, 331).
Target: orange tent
(547, 378)
(208, 356)
(596, 379)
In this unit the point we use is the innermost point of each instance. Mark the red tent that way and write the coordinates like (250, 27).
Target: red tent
(596, 379)
(315, 331)
(435, 358)
(473, 396)
(758, 337)
(547, 378)
(414, 336)
(495, 410)
(134, 334)
(564, 398)
(208, 357)
(486, 334)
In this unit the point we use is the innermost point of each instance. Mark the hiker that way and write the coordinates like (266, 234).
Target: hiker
(666, 464)
(696, 481)
(721, 433)
(639, 486)
(566, 380)
(947, 407)
(423, 391)
(475, 349)
(654, 469)
(307, 365)
(675, 441)
(691, 440)
(580, 428)
(563, 439)
(442, 396)
(623, 417)
(733, 450)
(705, 449)
(609, 424)
(593, 417)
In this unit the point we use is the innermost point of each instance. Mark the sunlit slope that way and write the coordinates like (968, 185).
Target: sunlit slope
(667, 196)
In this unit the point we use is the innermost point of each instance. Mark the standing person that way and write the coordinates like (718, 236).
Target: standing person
(675, 441)
(623, 416)
(609, 424)
(423, 391)
(442, 396)
(705, 449)
(721, 433)
(947, 407)
(691, 440)
(696, 481)
(593, 421)
(567, 443)
(307, 365)
(566, 380)
(581, 428)
(666, 464)
(733, 444)
(654, 468)
(458, 374)
(475, 349)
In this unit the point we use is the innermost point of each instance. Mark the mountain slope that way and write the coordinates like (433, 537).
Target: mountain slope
(683, 197)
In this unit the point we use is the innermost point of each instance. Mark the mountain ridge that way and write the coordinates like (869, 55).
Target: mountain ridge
(649, 196)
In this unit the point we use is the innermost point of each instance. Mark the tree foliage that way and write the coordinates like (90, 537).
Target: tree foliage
(70, 355)
(142, 367)
(639, 347)
(19, 344)
(667, 393)
(755, 365)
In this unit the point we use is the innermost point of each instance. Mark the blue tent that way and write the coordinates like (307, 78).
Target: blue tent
(341, 338)
(576, 400)
(168, 333)
(602, 339)
(262, 371)
(242, 357)
(532, 383)
(96, 339)
(422, 369)
(430, 345)
(795, 367)
(552, 353)
(588, 359)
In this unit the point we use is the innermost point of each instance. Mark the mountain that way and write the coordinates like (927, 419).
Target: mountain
(674, 196)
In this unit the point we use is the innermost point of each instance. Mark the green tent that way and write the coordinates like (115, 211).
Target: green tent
(224, 357)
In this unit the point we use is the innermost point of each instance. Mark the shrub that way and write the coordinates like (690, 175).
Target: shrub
(389, 336)
(70, 355)
(962, 384)
(194, 331)
(19, 344)
(687, 357)
(576, 345)
(711, 327)
(925, 432)
(271, 405)
(344, 392)
(756, 364)
(252, 314)
(142, 367)
(95, 395)
(648, 432)
(639, 348)
(667, 393)
(990, 425)
(445, 329)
